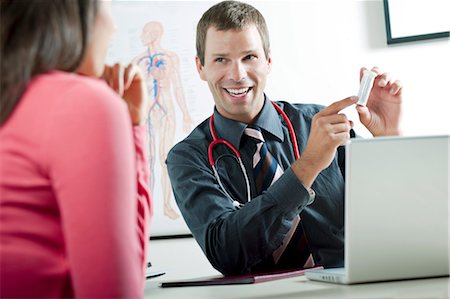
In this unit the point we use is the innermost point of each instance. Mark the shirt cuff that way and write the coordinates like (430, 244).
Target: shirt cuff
(289, 193)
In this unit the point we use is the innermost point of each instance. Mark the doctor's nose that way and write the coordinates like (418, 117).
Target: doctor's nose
(237, 71)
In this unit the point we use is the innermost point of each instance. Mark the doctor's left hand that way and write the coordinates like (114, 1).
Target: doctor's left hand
(382, 114)
(129, 83)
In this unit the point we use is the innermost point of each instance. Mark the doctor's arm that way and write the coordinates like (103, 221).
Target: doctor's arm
(234, 240)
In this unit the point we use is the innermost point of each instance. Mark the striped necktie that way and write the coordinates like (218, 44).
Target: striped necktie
(266, 171)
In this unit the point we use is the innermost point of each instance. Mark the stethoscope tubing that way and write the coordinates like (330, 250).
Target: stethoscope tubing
(237, 154)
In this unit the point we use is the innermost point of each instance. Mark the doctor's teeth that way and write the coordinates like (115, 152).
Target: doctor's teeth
(238, 91)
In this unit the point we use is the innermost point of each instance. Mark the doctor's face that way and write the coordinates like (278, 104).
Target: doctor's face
(236, 70)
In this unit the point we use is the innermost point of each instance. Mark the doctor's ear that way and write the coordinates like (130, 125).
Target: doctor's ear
(269, 61)
(200, 68)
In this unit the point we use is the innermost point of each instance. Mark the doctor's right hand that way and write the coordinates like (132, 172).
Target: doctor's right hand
(329, 130)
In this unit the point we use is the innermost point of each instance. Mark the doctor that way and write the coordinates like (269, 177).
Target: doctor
(291, 210)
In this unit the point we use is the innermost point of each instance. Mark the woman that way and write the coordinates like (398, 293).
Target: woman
(74, 205)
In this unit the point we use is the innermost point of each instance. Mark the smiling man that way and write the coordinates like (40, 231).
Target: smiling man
(260, 183)
(236, 75)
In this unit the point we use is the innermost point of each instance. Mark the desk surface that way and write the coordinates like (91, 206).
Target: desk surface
(183, 259)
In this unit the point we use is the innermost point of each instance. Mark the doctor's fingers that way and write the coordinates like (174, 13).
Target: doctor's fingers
(335, 107)
(395, 88)
(383, 80)
(341, 138)
(338, 133)
(334, 135)
(374, 69)
(361, 72)
(341, 128)
(327, 120)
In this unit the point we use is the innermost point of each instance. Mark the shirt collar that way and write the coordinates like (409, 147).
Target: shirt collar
(232, 131)
(269, 120)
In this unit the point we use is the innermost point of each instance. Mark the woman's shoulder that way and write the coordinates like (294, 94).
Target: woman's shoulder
(77, 93)
(65, 83)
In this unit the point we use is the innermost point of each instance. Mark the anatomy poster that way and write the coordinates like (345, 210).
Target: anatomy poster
(160, 38)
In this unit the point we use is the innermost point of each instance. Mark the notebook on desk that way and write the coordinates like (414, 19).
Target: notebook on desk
(396, 210)
(241, 279)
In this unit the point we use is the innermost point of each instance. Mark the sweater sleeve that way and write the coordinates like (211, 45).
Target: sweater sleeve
(97, 164)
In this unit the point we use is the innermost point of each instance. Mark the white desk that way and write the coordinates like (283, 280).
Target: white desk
(182, 259)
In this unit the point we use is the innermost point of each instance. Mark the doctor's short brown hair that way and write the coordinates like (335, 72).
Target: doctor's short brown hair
(230, 15)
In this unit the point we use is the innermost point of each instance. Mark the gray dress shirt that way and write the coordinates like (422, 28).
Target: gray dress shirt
(238, 241)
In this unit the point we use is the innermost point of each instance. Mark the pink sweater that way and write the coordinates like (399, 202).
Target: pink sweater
(74, 201)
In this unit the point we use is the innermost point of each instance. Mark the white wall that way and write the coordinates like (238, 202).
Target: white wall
(319, 46)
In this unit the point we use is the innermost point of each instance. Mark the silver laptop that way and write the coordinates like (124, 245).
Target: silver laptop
(396, 210)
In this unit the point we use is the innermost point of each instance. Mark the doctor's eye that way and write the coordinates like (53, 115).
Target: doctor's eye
(250, 57)
(219, 59)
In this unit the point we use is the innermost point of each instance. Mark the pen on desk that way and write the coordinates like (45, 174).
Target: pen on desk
(153, 275)
(149, 274)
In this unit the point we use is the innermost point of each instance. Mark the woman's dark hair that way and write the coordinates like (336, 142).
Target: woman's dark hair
(39, 36)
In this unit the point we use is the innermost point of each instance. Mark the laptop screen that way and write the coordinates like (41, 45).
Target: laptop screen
(397, 208)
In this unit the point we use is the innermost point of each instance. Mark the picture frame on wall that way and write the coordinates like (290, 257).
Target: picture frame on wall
(416, 20)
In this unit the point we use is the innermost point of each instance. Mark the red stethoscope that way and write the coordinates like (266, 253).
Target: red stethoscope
(217, 141)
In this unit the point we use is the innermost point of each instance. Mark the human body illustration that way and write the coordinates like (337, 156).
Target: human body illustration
(162, 71)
